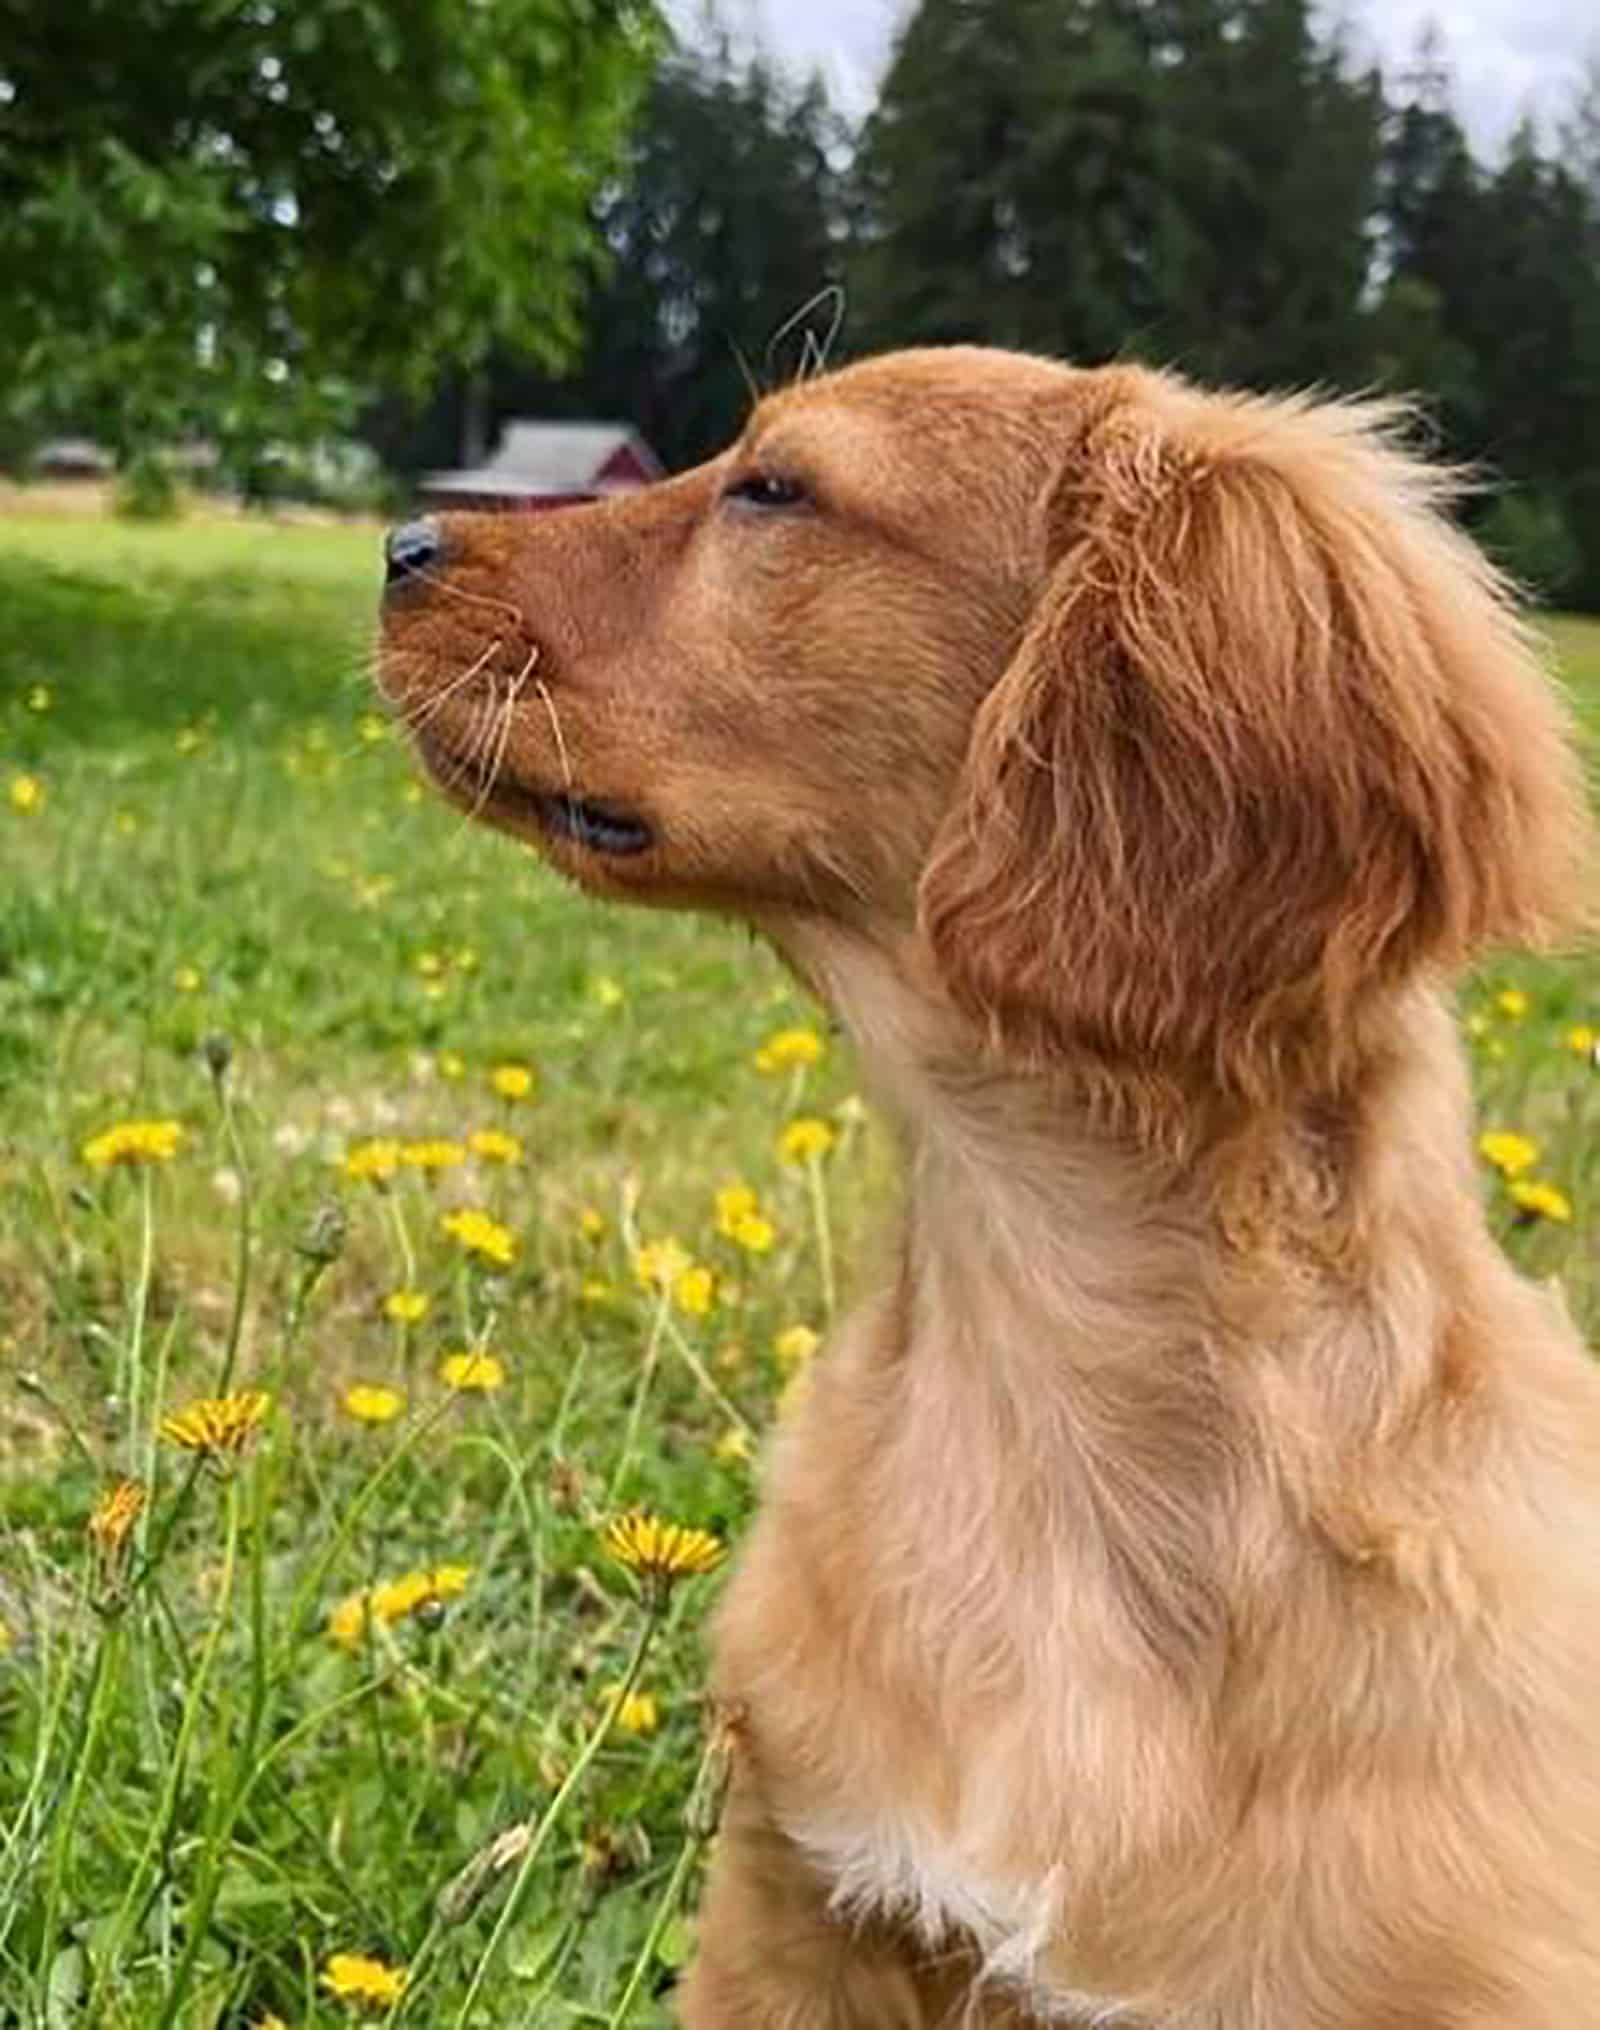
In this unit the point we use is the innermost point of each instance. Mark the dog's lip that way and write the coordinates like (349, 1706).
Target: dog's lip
(590, 822)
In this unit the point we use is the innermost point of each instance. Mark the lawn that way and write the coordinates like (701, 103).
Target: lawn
(356, 1672)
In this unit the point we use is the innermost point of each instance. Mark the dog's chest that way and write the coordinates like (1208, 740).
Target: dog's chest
(880, 1863)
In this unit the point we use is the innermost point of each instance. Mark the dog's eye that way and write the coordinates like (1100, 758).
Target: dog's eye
(767, 490)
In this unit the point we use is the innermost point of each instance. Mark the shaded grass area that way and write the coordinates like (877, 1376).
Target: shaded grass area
(206, 1790)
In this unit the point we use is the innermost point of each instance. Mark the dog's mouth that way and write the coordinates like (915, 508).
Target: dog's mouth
(581, 821)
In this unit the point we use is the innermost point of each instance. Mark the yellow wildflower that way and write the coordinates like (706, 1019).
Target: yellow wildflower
(465, 959)
(348, 1621)
(1538, 1200)
(633, 1712)
(189, 739)
(27, 794)
(39, 699)
(787, 1047)
(494, 1145)
(1582, 1038)
(592, 1223)
(479, 1372)
(804, 1139)
(186, 979)
(126, 823)
(429, 965)
(1507, 1151)
(452, 1064)
(373, 1402)
(371, 728)
(608, 992)
(114, 1516)
(217, 1426)
(406, 1307)
(1512, 1003)
(272, 2023)
(659, 1264)
(482, 1237)
(734, 1202)
(660, 1553)
(595, 1290)
(352, 1977)
(695, 1291)
(372, 1162)
(794, 1346)
(396, 1598)
(512, 1081)
(754, 1233)
(732, 1448)
(434, 1154)
(133, 1142)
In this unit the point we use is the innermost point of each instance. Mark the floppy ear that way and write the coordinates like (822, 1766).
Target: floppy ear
(1272, 741)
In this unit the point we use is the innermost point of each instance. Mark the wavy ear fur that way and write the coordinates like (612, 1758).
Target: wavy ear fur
(1272, 742)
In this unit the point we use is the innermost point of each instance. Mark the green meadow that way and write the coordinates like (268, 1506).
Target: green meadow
(479, 1216)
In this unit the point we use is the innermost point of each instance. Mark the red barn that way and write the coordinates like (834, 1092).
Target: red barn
(545, 465)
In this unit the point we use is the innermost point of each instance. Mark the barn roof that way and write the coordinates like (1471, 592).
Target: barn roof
(558, 458)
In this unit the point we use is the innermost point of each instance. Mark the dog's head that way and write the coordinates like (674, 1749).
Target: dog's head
(1174, 728)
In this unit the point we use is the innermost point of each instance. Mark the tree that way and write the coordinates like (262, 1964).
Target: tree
(238, 215)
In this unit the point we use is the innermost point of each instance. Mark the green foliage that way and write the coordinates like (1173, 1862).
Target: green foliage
(235, 217)
(146, 490)
(1528, 535)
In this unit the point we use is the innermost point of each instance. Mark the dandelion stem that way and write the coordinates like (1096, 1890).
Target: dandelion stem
(552, 1813)
(82, 1762)
(141, 1434)
(647, 1369)
(241, 1273)
(665, 1905)
(824, 1227)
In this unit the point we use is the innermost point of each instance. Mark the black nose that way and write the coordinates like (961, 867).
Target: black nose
(414, 546)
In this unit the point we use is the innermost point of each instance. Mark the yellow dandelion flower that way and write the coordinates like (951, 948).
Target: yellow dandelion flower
(373, 1402)
(788, 1047)
(1582, 1038)
(1512, 1003)
(475, 1372)
(794, 1346)
(406, 1307)
(372, 729)
(633, 1712)
(218, 1427)
(429, 964)
(494, 1145)
(39, 698)
(372, 1162)
(413, 1591)
(512, 1081)
(608, 992)
(352, 1977)
(659, 1264)
(189, 739)
(735, 1202)
(695, 1291)
(805, 1139)
(660, 1552)
(481, 1237)
(133, 1142)
(1508, 1152)
(433, 1154)
(27, 795)
(187, 980)
(452, 1064)
(754, 1233)
(595, 1290)
(592, 1223)
(465, 959)
(114, 1516)
(272, 2023)
(347, 1622)
(1538, 1200)
(733, 1448)
(126, 823)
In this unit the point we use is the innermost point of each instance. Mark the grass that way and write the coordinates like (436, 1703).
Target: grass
(352, 1689)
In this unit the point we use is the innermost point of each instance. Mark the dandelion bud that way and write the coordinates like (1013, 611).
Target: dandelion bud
(218, 1054)
(431, 1613)
(323, 1235)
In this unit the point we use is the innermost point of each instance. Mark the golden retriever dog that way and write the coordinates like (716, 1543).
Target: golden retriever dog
(1177, 1605)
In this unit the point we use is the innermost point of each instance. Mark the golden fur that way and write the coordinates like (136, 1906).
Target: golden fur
(1177, 1606)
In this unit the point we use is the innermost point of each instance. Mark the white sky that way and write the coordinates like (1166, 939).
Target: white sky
(1508, 56)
